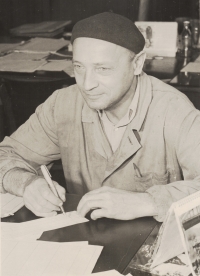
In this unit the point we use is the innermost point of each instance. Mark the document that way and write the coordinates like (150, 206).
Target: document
(42, 45)
(192, 67)
(6, 47)
(32, 230)
(24, 56)
(24, 66)
(47, 258)
(61, 65)
(10, 204)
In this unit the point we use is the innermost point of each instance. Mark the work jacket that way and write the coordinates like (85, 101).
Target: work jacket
(160, 147)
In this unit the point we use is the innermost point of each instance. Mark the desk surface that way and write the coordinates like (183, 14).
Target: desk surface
(121, 239)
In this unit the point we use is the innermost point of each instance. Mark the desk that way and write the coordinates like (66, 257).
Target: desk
(168, 69)
(121, 239)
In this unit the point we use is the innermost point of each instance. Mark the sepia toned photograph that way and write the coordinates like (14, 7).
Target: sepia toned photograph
(99, 137)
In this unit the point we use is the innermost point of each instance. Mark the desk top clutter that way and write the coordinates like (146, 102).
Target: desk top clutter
(42, 29)
(32, 55)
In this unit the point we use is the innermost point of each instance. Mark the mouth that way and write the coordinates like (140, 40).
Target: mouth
(93, 96)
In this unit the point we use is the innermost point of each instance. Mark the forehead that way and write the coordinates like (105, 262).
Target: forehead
(96, 49)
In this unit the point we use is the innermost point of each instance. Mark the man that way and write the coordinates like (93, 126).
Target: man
(126, 140)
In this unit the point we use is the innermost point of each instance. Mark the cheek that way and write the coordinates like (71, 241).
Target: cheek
(78, 78)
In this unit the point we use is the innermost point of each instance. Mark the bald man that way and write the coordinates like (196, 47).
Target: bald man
(129, 143)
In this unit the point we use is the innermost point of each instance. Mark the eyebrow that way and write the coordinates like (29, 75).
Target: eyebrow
(97, 63)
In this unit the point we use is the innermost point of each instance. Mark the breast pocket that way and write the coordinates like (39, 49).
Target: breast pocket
(144, 182)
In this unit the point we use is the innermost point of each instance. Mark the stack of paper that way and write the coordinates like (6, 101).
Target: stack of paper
(42, 29)
(32, 230)
(42, 45)
(48, 258)
(22, 255)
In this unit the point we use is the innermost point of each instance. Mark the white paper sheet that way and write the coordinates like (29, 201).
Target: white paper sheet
(42, 45)
(6, 47)
(192, 67)
(198, 59)
(61, 65)
(10, 204)
(32, 230)
(47, 258)
(24, 56)
(22, 66)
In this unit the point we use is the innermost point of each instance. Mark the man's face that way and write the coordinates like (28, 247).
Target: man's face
(104, 72)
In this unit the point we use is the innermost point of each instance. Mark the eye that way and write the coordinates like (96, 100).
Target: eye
(102, 69)
(78, 68)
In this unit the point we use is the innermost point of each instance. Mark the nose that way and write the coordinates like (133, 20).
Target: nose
(90, 81)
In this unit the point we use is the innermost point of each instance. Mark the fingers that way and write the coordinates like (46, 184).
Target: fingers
(47, 194)
(99, 213)
(40, 214)
(61, 191)
(40, 199)
(84, 207)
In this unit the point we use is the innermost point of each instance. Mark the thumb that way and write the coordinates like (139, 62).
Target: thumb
(61, 191)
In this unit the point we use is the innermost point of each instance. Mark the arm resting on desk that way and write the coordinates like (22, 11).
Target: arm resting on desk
(182, 132)
(21, 156)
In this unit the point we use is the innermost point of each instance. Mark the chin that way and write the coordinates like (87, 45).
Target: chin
(96, 105)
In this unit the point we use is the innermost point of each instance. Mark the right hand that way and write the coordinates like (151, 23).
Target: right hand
(39, 198)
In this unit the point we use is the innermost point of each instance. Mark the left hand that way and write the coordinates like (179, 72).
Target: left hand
(117, 204)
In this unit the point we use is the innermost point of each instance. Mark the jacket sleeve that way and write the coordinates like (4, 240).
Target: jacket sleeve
(182, 134)
(33, 144)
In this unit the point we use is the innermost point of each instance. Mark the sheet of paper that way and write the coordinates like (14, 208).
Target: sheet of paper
(33, 229)
(62, 65)
(47, 258)
(24, 56)
(192, 67)
(6, 47)
(24, 66)
(10, 204)
(198, 59)
(42, 45)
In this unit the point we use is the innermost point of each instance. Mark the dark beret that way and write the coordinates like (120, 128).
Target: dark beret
(110, 27)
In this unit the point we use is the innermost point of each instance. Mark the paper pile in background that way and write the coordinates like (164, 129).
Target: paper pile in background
(32, 230)
(48, 258)
(32, 55)
(42, 29)
(10, 204)
(42, 45)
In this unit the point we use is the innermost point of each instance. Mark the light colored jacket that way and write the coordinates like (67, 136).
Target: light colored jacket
(160, 146)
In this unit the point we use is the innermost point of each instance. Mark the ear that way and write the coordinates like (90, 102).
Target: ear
(139, 60)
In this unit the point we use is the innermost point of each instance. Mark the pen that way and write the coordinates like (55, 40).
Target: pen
(47, 177)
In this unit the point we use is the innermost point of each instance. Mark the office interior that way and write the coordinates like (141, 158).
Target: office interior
(21, 93)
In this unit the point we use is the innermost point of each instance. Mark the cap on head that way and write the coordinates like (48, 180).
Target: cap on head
(110, 27)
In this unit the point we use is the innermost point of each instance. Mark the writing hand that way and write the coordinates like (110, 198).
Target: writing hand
(39, 198)
(115, 203)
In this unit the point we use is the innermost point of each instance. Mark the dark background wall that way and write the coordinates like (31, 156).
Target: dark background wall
(17, 12)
